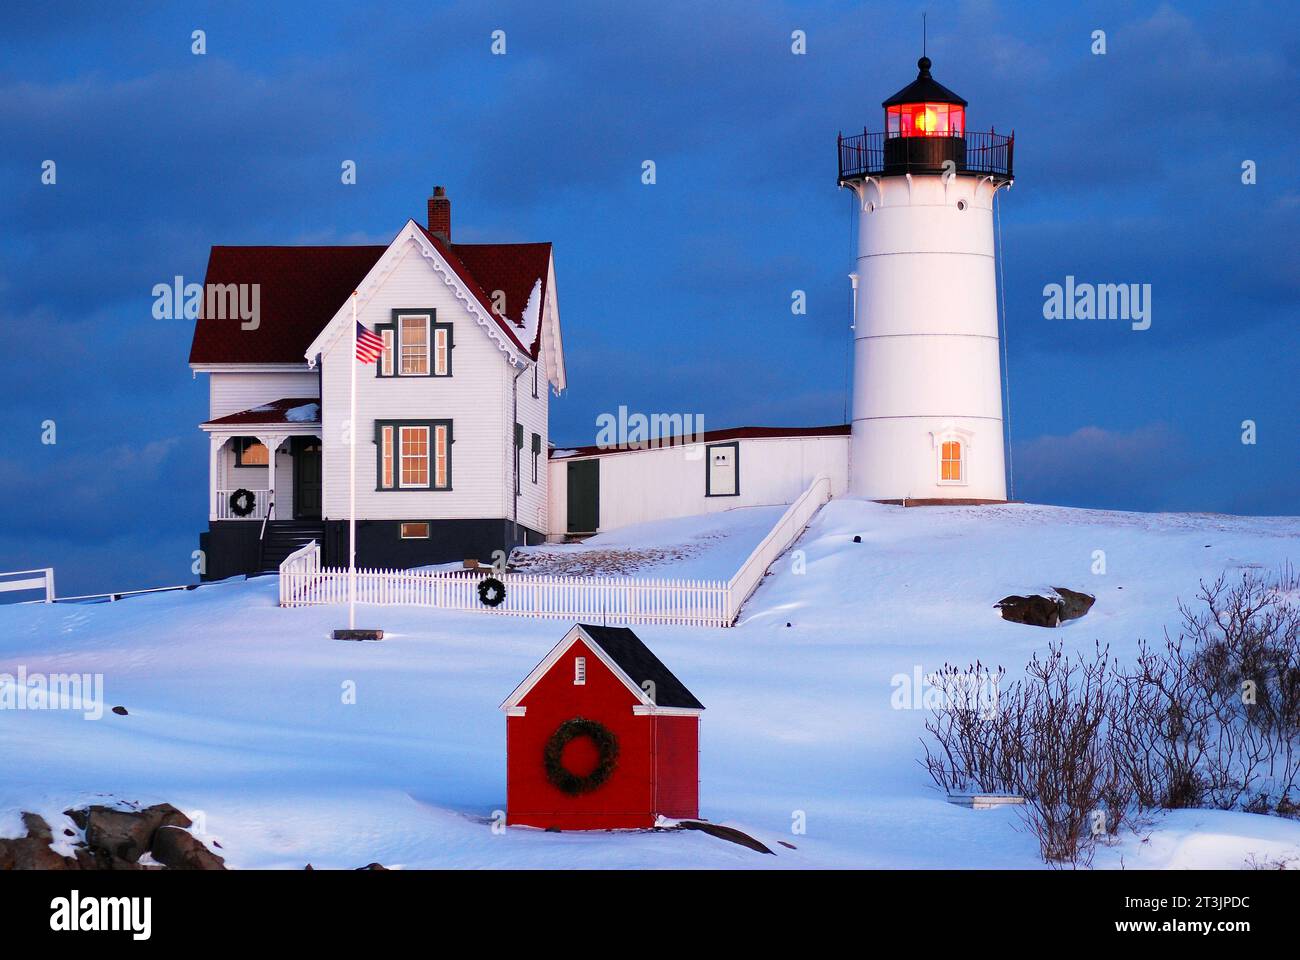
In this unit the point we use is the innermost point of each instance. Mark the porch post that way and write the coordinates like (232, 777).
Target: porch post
(215, 443)
(271, 443)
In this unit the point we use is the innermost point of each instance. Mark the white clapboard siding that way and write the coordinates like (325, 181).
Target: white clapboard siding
(233, 391)
(637, 486)
(476, 398)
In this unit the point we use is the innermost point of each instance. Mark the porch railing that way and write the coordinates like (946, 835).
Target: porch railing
(221, 509)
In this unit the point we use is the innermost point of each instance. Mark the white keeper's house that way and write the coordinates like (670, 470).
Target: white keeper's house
(454, 457)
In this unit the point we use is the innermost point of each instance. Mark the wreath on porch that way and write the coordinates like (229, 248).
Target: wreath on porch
(243, 502)
(553, 756)
(491, 592)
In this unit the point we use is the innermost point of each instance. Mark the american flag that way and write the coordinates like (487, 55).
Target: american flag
(369, 346)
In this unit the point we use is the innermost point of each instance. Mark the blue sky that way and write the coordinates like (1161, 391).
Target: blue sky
(676, 296)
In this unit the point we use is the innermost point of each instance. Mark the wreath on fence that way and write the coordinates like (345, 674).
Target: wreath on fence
(553, 756)
(491, 592)
(242, 502)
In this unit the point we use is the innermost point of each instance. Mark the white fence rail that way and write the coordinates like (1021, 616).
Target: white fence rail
(45, 581)
(610, 600)
(221, 509)
(779, 539)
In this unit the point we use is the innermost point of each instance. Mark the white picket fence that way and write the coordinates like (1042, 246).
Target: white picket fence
(607, 600)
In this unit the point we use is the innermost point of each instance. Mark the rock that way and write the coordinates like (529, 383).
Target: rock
(1033, 610)
(37, 828)
(128, 833)
(181, 850)
(77, 816)
(1074, 604)
(309, 867)
(857, 539)
(373, 866)
(120, 711)
(30, 853)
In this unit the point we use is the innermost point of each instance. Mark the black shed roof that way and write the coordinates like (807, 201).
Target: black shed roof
(636, 660)
(924, 89)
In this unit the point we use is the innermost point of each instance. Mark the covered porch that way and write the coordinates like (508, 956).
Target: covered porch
(265, 462)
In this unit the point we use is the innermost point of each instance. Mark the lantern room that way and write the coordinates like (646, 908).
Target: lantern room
(925, 132)
(925, 108)
(925, 125)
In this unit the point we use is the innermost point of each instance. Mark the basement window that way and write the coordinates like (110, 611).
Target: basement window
(415, 530)
(579, 671)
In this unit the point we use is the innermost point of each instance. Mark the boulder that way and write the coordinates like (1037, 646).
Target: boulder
(1074, 604)
(181, 850)
(126, 834)
(1034, 610)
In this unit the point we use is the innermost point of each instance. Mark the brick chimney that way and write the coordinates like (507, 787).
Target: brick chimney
(440, 215)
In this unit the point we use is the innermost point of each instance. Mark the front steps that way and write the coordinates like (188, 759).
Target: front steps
(283, 537)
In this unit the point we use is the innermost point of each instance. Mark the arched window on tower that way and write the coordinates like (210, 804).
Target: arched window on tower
(951, 463)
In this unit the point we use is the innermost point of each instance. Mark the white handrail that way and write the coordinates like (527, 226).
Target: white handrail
(784, 533)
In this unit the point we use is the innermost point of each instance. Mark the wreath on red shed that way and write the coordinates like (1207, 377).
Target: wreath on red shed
(553, 756)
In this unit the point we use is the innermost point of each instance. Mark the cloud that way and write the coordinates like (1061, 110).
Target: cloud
(1095, 467)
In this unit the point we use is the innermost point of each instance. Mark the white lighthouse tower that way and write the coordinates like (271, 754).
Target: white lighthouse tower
(927, 385)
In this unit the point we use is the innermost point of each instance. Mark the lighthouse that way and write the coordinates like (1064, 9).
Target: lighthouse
(927, 382)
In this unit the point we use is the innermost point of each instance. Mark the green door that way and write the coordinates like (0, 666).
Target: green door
(306, 478)
(584, 496)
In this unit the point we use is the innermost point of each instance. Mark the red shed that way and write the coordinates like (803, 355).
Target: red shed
(601, 735)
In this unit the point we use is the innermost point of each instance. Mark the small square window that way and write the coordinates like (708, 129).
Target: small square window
(415, 530)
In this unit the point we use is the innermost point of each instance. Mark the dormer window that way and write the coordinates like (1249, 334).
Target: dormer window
(415, 345)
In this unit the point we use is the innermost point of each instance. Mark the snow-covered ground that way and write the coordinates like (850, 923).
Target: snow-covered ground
(708, 547)
(237, 711)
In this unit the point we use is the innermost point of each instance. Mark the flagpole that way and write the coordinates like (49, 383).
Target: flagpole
(352, 478)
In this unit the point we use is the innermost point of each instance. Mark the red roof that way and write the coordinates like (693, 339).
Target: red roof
(277, 411)
(709, 436)
(301, 288)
